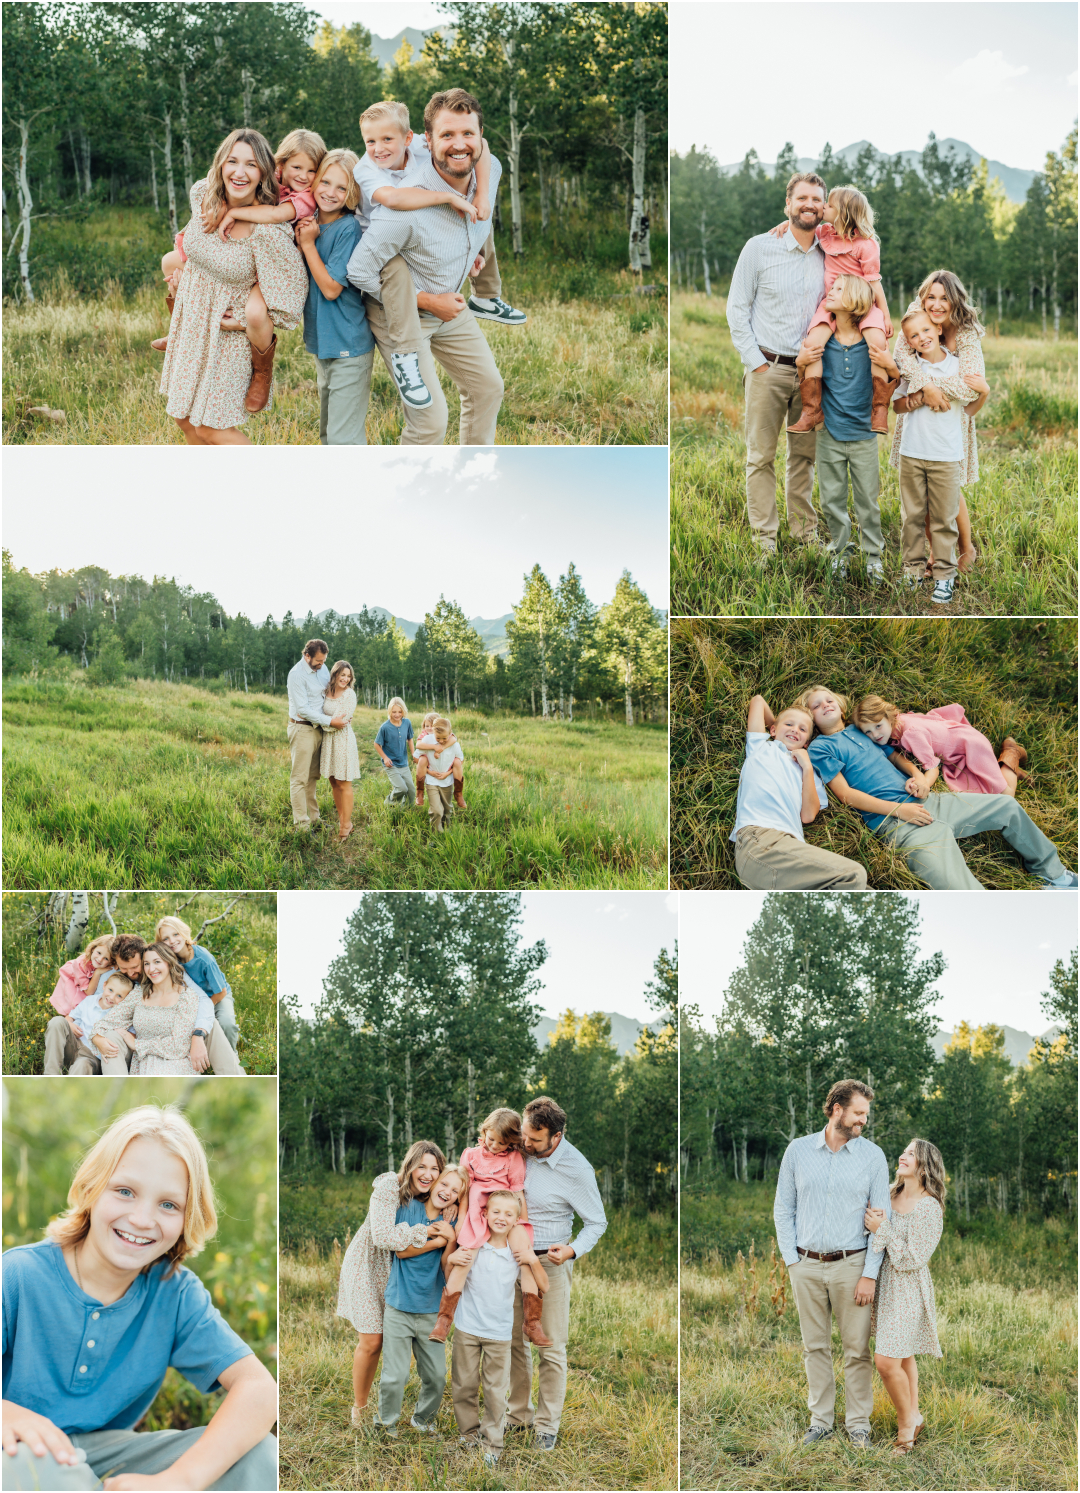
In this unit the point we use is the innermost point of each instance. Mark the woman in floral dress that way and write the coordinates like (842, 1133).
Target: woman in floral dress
(365, 1270)
(904, 1320)
(340, 760)
(208, 367)
(163, 1011)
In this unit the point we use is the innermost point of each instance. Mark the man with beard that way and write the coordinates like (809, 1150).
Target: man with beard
(827, 1181)
(441, 248)
(776, 288)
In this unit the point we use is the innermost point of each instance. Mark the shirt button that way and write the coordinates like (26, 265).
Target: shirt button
(94, 1316)
(90, 1344)
(82, 1368)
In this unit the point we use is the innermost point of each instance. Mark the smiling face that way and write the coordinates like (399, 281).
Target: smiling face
(850, 1122)
(936, 304)
(386, 144)
(446, 1190)
(140, 1215)
(424, 1176)
(455, 143)
(494, 1143)
(131, 967)
(316, 660)
(241, 174)
(921, 332)
(502, 1215)
(154, 968)
(907, 1166)
(397, 715)
(792, 729)
(174, 941)
(330, 194)
(113, 994)
(538, 1140)
(298, 172)
(805, 207)
(826, 710)
(100, 957)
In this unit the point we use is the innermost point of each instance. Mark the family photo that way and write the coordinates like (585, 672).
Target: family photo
(798, 765)
(874, 349)
(479, 1180)
(178, 1384)
(120, 984)
(878, 1192)
(245, 206)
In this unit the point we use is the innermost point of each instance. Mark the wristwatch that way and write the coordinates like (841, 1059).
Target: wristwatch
(198, 1032)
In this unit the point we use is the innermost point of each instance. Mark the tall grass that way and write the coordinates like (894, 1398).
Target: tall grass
(619, 1423)
(1023, 508)
(588, 368)
(1015, 678)
(153, 785)
(1000, 1406)
(244, 945)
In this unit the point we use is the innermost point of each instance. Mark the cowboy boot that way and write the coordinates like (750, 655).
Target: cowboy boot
(262, 376)
(459, 793)
(1013, 756)
(811, 418)
(159, 344)
(447, 1308)
(420, 779)
(879, 409)
(533, 1331)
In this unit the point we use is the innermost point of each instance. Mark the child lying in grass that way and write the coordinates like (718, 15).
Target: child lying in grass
(943, 738)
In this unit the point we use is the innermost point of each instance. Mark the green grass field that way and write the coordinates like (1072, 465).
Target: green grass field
(156, 785)
(1023, 508)
(244, 945)
(1000, 1406)
(1015, 678)
(619, 1423)
(588, 368)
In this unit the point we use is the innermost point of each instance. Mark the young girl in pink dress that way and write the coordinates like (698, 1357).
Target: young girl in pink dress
(851, 247)
(944, 737)
(497, 1164)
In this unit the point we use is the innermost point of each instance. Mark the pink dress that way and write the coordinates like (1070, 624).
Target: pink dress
(848, 256)
(946, 736)
(72, 985)
(488, 1173)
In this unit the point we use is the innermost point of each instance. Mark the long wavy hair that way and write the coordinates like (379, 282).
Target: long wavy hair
(413, 1157)
(342, 663)
(503, 1125)
(929, 1169)
(175, 968)
(963, 313)
(854, 215)
(266, 193)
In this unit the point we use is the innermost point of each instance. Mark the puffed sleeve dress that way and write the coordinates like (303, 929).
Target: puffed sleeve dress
(339, 757)
(904, 1318)
(365, 1270)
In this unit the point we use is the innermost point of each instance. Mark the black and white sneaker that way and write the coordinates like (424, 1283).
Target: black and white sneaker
(406, 370)
(496, 310)
(545, 1440)
(943, 591)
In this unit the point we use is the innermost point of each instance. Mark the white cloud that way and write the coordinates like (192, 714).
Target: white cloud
(985, 70)
(671, 902)
(480, 467)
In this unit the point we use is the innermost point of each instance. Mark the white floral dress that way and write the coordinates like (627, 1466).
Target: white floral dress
(365, 1270)
(970, 355)
(162, 1033)
(904, 1319)
(339, 757)
(207, 371)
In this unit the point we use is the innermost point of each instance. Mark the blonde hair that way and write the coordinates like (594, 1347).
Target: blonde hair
(513, 1197)
(174, 925)
(504, 1125)
(442, 728)
(803, 700)
(126, 980)
(963, 313)
(929, 1169)
(103, 941)
(397, 700)
(169, 1128)
(462, 1174)
(175, 968)
(413, 1157)
(348, 160)
(430, 719)
(389, 108)
(871, 709)
(266, 193)
(300, 140)
(856, 297)
(800, 708)
(910, 316)
(854, 215)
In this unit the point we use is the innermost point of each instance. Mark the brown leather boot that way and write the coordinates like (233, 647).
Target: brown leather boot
(262, 375)
(159, 344)
(533, 1331)
(811, 417)
(419, 791)
(1013, 756)
(447, 1308)
(459, 794)
(879, 409)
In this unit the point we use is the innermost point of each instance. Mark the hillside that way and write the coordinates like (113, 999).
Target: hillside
(624, 1031)
(1017, 1044)
(385, 48)
(492, 630)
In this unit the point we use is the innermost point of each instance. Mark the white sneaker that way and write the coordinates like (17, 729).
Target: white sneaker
(428, 1427)
(875, 572)
(406, 370)
(496, 310)
(943, 591)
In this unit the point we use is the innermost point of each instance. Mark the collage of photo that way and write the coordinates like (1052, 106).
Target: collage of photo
(516, 885)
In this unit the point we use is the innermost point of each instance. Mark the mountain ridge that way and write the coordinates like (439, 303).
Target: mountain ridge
(492, 630)
(624, 1030)
(1017, 1044)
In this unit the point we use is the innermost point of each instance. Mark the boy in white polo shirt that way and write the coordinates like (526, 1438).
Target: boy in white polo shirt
(484, 1328)
(779, 792)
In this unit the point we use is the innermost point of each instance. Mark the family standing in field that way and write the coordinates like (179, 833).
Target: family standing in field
(882, 762)
(809, 319)
(858, 1252)
(322, 744)
(368, 250)
(483, 1246)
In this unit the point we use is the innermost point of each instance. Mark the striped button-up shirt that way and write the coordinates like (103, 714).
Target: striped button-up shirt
(438, 243)
(821, 1196)
(775, 290)
(306, 689)
(557, 1187)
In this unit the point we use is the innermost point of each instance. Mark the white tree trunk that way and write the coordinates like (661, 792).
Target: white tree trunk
(247, 82)
(645, 237)
(470, 1122)
(153, 176)
(80, 919)
(637, 206)
(704, 255)
(84, 140)
(108, 900)
(390, 1167)
(75, 162)
(408, 1101)
(545, 196)
(170, 184)
(515, 160)
(629, 699)
(185, 136)
(26, 204)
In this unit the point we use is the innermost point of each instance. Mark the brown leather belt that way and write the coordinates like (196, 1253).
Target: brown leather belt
(778, 358)
(837, 1254)
(294, 722)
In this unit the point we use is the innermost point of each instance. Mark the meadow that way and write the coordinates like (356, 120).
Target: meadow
(1023, 508)
(588, 368)
(1000, 1406)
(49, 1123)
(619, 1424)
(244, 944)
(149, 784)
(1012, 677)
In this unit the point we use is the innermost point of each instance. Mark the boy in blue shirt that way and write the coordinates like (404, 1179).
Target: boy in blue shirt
(394, 742)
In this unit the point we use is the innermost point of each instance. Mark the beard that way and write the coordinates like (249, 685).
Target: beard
(818, 214)
(848, 1131)
(461, 169)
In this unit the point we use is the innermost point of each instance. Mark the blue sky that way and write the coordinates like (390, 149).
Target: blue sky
(271, 528)
(757, 73)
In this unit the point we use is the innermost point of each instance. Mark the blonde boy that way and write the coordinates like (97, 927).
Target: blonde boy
(85, 1016)
(393, 743)
(427, 748)
(443, 751)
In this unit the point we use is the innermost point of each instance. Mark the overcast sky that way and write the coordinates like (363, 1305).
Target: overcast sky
(601, 945)
(271, 528)
(385, 18)
(757, 73)
(999, 949)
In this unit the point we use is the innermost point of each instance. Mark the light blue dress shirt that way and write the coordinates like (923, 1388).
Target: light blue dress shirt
(775, 290)
(306, 689)
(822, 1195)
(557, 1187)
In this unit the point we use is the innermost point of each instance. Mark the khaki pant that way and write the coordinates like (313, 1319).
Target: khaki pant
(65, 1053)
(823, 1292)
(305, 748)
(772, 402)
(770, 860)
(837, 461)
(929, 487)
(934, 856)
(439, 805)
(223, 1059)
(555, 1320)
(461, 348)
(480, 1361)
(399, 297)
(344, 391)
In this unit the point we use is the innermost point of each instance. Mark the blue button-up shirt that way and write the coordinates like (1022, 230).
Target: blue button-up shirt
(822, 1195)
(557, 1187)
(306, 689)
(775, 290)
(847, 392)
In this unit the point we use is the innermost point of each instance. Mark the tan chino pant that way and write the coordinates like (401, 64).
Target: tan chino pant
(480, 1361)
(65, 1053)
(929, 487)
(439, 805)
(773, 401)
(461, 348)
(824, 1292)
(305, 747)
(399, 297)
(770, 860)
(555, 1320)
